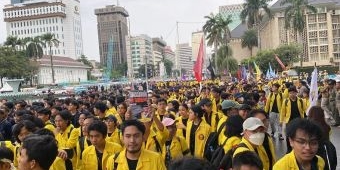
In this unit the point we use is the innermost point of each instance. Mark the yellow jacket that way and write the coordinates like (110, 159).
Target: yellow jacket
(259, 150)
(85, 144)
(49, 126)
(270, 102)
(286, 109)
(160, 136)
(180, 132)
(215, 117)
(14, 149)
(90, 161)
(201, 135)
(288, 162)
(68, 140)
(178, 148)
(115, 137)
(111, 111)
(148, 160)
(231, 143)
(285, 94)
(58, 164)
(119, 118)
(221, 136)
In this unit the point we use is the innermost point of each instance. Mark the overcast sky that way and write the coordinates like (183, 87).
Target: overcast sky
(155, 18)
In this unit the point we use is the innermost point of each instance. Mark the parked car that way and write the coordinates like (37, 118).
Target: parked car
(38, 92)
(62, 91)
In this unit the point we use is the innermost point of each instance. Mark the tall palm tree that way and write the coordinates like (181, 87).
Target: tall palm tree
(214, 34)
(252, 12)
(249, 39)
(295, 15)
(50, 41)
(218, 32)
(34, 49)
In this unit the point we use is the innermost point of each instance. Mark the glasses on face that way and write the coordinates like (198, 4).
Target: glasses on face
(313, 143)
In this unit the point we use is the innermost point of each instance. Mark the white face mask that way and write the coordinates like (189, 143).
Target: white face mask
(257, 138)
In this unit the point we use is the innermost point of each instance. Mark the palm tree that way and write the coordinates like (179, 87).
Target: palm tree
(12, 42)
(225, 59)
(295, 15)
(252, 12)
(249, 39)
(34, 49)
(217, 28)
(50, 41)
(214, 33)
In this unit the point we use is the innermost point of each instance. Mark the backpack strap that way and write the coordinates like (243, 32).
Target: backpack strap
(69, 133)
(221, 128)
(81, 146)
(158, 146)
(115, 163)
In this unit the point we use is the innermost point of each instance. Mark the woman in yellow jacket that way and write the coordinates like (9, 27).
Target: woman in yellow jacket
(175, 146)
(233, 132)
(66, 135)
(182, 120)
(198, 131)
(113, 133)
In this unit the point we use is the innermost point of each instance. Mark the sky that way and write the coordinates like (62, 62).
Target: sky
(156, 18)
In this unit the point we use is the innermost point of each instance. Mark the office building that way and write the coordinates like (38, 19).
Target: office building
(112, 25)
(184, 55)
(30, 18)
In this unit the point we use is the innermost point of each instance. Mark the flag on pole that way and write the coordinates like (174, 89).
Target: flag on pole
(313, 94)
(268, 77)
(258, 72)
(271, 71)
(280, 62)
(199, 63)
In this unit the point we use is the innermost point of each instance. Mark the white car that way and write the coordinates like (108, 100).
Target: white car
(60, 91)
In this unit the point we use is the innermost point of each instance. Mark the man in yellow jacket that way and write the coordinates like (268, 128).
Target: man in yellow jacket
(96, 156)
(253, 137)
(273, 107)
(134, 156)
(304, 137)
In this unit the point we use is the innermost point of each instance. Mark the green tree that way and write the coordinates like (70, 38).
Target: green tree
(150, 70)
(295, 17)
(288, 54)
(34, 49)
(252, 12)
(213, 32)
(85, 61)
(250, 40)
(50, 41)
(12, 41)
(225, 61)
(122, 69)
(168, 66)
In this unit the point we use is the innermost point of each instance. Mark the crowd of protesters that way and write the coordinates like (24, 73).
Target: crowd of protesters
(98, 129)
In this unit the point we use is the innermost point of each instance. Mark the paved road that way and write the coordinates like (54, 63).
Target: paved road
(335, 138)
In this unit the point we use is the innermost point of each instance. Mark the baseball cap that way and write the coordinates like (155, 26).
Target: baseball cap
(227, 104)
(205, 101)
(111, 118)
(168, 121)
(252, 123)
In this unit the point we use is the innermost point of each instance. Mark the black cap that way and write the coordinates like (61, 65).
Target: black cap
(205, 101)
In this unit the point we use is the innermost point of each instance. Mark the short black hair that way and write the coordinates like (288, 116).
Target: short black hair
(29, 125)
(43, 149)
(255, 112)
(75, 103)
(100, 106)
(191, 163)
(162, 100)
(247, 158)
(98, 126)
(44, 131)
(6, 153)
(66, 115)
(206, 102)
(234, 126)
(306, 125)
(44, 111)
(139, 125)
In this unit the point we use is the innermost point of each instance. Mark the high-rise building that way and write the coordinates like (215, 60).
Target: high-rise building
(233, 10)
(169, 54)
(30, 18)
(140, 52)
(158, 46)
(112, 24)
(195, 43)
(184, 52)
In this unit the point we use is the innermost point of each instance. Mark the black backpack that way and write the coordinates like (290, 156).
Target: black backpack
(212, 143)
(218, 155)
(327, 151)
(226, 162)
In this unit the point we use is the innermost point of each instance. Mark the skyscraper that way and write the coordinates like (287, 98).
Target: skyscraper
(30, 18)
(184, 52)
(112, 23)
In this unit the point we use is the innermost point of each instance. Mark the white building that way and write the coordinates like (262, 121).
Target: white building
(184, 52)
(67, 70)
(139, 51)
(30, 18)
